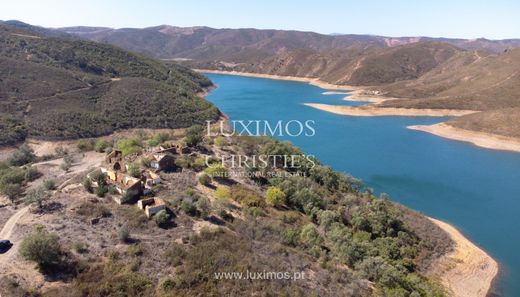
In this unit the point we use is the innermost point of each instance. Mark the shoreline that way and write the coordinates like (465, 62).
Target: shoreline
(467, 271)
(354, 93)
(480, 139)
(373, 111)
(312, 81)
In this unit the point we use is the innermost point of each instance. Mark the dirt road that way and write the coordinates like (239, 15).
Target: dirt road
(6, 233)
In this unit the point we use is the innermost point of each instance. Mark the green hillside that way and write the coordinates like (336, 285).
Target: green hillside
(57, 88)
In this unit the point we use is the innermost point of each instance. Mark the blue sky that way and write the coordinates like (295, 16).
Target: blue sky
(466, 19)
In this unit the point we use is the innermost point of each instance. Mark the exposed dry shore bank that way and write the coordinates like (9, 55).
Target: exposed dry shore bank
(372, 111)
(467, 271)
(312, 81)
(482, 139)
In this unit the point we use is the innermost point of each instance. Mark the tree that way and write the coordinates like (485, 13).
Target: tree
(22, 156)
(11, 190)
(194, 135)
(42, 247)
(162, 218)
(274, 197)
(37, 195)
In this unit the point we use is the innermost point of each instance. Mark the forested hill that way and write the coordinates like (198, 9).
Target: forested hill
(58, 87)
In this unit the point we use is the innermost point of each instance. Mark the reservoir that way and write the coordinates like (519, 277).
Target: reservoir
(475, 189)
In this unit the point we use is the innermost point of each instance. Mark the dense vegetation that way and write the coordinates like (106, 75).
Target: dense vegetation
(58, 87)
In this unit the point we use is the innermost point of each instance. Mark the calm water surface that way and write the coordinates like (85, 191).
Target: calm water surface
(477, 190)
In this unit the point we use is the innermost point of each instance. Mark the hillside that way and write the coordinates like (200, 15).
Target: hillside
(480, 82)
(336, 59)
(319, 226)
(60, 87)
(427, 73)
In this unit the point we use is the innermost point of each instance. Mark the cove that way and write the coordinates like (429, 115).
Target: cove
(475, 189)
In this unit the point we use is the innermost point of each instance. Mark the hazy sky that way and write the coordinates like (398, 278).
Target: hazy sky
(496, 19)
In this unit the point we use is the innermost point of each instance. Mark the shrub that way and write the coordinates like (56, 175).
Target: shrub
(85, 145)
(291, 237)
(87, 184)
(274, 197)
(220, 141)
(101, 190)
(226, 216)
(222, 193)
(61, 151)
(310, 236)
(146, 162)
(194, 135)
(128, 146)
(134, 170)
(129, 197)
(175, 254)
(79, 247)
(49, 184)
(135, 250)
(245, 196)
(22, 156)
(158, 139)
(42, 247)
(188, 208)
(203, 205)
(327, 217)
(198, 163)
(205, 179)
(66, 163)
(123, 235)
(101, 145)
(31, 173)
(99, 177)
(217, 171)
(162, 218)
(254, 211)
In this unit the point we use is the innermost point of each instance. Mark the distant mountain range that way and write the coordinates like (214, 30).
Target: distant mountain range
(167, 42)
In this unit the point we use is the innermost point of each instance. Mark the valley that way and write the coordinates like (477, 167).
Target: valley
(424, 73)
(115, 180)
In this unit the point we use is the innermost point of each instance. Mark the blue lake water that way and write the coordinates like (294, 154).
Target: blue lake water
(477, 190)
